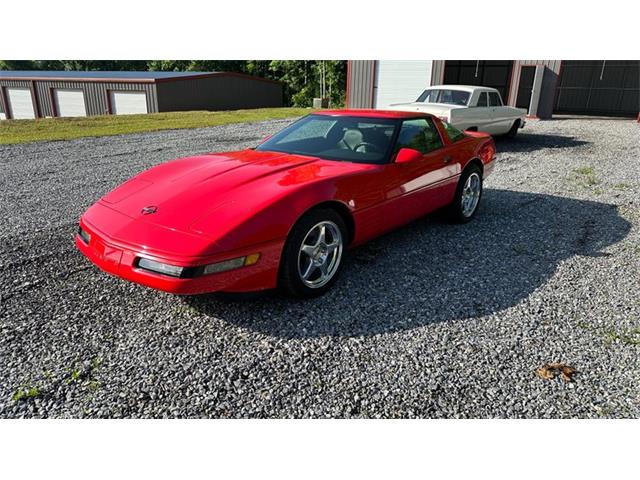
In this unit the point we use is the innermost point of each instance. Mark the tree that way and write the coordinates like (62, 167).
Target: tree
(303, 80)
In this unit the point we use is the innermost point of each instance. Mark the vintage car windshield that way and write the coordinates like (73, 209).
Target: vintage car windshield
(342, 138)
(444, 95)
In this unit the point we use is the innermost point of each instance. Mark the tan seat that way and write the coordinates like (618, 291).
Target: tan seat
(351, 139)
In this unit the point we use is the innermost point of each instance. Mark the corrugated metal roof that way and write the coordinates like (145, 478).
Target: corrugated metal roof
(97, 74)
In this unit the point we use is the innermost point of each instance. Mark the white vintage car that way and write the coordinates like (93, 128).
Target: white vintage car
(468, 108)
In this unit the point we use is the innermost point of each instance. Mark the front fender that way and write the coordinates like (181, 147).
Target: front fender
(258, 219)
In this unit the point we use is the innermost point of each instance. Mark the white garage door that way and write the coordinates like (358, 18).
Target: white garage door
(20, 103)
(70, 103)
(126, 103)
(399, 81)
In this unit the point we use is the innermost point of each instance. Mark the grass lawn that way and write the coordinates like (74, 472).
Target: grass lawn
(22, 131)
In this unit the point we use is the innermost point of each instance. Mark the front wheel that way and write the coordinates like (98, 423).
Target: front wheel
(313, 254)
(468, 194)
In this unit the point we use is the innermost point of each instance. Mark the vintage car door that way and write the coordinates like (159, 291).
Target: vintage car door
(480, 115)
(501, 120)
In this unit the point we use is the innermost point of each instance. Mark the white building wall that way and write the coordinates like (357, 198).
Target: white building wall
(400, 81)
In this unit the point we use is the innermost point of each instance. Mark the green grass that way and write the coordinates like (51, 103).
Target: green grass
(630, 338)
(587, 176)
(585, 171)
(25, 393)
(22, 131)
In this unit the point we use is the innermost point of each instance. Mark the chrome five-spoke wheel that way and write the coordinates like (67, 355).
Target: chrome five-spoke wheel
(471, 194)
(320, 254)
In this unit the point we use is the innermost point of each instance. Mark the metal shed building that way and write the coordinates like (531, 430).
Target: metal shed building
(543, 87)
(37, 94)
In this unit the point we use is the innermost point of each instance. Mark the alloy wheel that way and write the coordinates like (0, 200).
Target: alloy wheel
(320, 254)
(471, 194)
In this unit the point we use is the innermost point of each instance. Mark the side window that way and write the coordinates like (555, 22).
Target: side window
(428, 96)
(482, 99)
(420, 134)
(452, 132)
(494, 99)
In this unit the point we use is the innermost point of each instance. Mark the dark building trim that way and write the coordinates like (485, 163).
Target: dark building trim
(52, 100)
(217, 74)
(34, 100)
(372, 101)
(107, 79)
(5, 102)
(79, 79)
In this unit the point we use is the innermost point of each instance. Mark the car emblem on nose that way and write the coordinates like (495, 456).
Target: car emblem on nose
(149, 210)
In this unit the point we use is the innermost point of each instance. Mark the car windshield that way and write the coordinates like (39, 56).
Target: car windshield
(342, 138)
(444, 95)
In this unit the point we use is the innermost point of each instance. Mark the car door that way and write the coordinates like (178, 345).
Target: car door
(480, 115)
(413, 189)
(501, 121)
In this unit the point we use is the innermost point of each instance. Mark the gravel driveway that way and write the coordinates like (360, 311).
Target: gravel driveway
(433, 320)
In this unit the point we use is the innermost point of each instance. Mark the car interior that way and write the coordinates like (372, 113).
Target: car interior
(355, 140)
(349, 139)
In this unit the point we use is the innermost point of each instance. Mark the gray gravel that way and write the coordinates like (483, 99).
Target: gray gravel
(433, 320)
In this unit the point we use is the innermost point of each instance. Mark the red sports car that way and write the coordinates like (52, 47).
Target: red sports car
(284, 213)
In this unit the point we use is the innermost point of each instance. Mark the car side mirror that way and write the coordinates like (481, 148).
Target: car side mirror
(406, 155)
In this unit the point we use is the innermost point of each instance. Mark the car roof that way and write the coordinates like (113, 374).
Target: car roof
(466, 88)
(357, 112)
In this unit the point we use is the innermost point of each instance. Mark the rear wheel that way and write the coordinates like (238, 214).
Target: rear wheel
(513, 131)
(468, 194)
(313, 254)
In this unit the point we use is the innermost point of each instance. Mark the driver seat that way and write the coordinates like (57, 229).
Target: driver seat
(351, 139)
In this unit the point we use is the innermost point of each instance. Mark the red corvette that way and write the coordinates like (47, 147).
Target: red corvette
(283, 214)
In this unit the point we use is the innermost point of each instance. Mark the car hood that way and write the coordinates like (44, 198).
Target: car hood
(177, 194)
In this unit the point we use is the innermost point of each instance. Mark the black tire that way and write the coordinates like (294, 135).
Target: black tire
(290, 280)
(513, 131)
(455, 212)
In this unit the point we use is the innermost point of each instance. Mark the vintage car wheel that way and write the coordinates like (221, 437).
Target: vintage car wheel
(313, 254)
(513, 131)
(468, 194)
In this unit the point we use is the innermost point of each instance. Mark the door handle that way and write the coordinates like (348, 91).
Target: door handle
(447, 158)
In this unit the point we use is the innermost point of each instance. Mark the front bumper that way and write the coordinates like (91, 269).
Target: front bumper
(120, 259)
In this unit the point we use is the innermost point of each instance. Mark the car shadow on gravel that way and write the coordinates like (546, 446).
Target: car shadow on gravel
(530, 142)
(432, 271)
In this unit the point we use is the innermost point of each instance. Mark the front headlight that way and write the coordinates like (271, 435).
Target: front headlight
(158, 267)
(231, 264)
(84, 235)
(190, 272)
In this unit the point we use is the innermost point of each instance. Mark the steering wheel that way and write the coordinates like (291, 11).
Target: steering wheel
(370, 147)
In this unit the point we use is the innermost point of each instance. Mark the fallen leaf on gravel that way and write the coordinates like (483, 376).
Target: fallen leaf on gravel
(549, 370)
